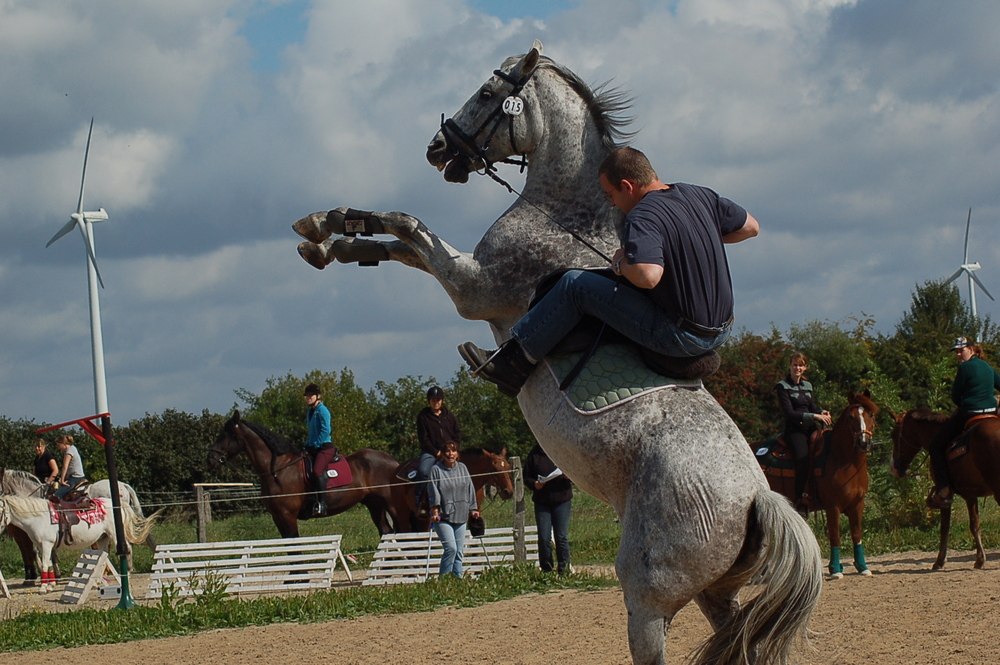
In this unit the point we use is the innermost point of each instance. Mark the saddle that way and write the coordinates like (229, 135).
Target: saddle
(67, 510)
(407, 471)
(960, 446)
(338, 471)
(590, 330)
(776, 458)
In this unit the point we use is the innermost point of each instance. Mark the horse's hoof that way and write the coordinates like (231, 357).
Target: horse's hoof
(313, 228)
(313, 254)
(835, 576)
(865, 572)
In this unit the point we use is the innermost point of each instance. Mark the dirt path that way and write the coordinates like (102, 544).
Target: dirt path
(903, 615)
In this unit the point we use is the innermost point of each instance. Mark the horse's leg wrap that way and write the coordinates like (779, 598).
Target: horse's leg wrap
(835, 566)
(360, 251)
(859, 558)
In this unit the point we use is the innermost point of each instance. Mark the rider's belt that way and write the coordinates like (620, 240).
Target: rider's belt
(703, 331)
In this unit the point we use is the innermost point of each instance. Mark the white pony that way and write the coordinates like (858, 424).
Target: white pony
(34, 517)
(698, 520)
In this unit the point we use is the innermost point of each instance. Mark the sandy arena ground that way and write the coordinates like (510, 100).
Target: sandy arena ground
(903, 615)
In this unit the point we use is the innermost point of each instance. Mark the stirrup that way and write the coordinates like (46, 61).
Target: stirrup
(937, 502)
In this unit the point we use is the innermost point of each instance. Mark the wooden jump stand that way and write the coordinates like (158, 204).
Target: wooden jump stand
(90, 568)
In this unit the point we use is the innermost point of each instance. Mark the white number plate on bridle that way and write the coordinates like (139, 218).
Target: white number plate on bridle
(513, 105)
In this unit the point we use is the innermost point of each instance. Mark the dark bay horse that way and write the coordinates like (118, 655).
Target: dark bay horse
(284, 488)
(843, 482)
(974, 473)
(485, 467)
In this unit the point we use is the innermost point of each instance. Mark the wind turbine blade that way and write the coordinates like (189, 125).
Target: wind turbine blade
(63, 231)
(968, 221)
(83, 178)
(980, 284)
(958, 273)
(90, 254)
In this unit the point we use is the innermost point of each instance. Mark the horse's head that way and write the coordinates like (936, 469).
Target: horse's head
(499, 121)
(492, 468)
(906, 440)
(227, 444)
(861, 412)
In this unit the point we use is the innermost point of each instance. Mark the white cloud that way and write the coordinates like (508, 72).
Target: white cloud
(859, 134)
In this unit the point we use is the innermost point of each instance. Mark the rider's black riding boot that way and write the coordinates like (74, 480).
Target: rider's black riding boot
(801, 476)
(319, 508)
(508, 366)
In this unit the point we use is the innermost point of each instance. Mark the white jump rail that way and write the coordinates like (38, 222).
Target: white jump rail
(248, 566)
(413, 557)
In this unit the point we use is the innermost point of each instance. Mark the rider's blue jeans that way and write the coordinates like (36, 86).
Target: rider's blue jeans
(453, 541)
(629, 311)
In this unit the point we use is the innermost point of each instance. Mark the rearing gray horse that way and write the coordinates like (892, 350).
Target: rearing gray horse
(698, 520)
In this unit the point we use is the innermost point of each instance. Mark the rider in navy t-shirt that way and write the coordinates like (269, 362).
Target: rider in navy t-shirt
(672, 254)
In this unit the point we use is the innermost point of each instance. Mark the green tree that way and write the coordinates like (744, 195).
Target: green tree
(744, 384)
(396, 406)
(489, 419)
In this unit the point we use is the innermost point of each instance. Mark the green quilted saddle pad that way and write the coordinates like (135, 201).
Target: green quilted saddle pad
(614, 374)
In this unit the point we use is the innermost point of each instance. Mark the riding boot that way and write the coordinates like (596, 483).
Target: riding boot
(319, 508)
(801, 477)
(508, 367)
(418, 499)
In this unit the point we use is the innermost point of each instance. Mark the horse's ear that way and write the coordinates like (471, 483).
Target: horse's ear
(868, 393)
(528, 63)
(503, 453)
(537, 46)
(233, 421)
(850, 397)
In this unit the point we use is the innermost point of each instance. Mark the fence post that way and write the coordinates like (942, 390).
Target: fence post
(203, 511)
(520, 547)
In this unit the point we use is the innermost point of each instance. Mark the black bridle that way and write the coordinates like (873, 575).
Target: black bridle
(461, 144)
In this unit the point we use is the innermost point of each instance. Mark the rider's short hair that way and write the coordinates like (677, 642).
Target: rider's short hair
(312, 389)
(627, 164)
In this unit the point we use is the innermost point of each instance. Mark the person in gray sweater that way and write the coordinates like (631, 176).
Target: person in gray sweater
(452, 499)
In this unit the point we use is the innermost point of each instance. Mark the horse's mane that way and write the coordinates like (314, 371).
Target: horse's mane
(924, 415)
(18, 482)
(26, 506)
(276, 443)
(608, 106)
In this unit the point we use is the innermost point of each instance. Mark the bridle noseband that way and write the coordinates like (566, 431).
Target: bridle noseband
(460, 144)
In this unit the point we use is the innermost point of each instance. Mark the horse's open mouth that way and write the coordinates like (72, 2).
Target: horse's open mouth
(457, 170)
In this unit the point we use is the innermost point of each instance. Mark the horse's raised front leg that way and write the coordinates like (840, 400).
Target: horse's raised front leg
(416, 245)
(976, 531)
(942, 557)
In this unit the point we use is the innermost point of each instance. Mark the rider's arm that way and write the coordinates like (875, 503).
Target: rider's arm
(643, 275)
(53, 470)
(750, 229)
(65, 469)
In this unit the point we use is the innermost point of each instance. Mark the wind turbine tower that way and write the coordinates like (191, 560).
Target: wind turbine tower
(970, 270)
(85, 221)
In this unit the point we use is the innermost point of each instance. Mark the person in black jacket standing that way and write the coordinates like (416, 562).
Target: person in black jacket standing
(552, 495)
(436, 426)
(795, 399)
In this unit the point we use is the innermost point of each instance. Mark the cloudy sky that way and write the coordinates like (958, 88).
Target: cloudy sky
(859, 133)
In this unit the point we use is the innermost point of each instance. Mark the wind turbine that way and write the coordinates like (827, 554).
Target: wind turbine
(970, 270)
(85, 221)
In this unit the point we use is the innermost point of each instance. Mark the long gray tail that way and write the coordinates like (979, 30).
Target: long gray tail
(790, 569)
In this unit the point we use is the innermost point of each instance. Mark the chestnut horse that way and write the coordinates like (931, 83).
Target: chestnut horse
(974, 473)
(283, 486)
(843, 483)
(486, 468)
